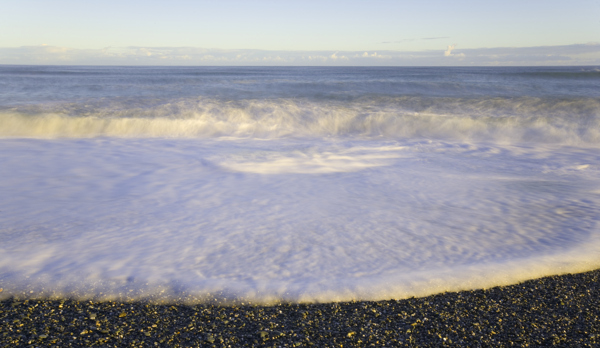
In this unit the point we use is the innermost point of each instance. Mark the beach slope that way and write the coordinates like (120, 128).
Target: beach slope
(559, 310)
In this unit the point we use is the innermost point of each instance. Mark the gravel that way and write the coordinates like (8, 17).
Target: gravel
(552, 311)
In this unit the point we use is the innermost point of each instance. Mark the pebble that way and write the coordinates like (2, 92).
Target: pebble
(552, 311)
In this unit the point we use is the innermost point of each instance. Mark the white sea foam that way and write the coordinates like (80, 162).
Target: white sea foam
(299, 184)
(572, 122)
(312, 161)
(285, 219)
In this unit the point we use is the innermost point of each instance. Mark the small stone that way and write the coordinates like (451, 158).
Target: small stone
(43, 336)
(351, 333)
(122, 314)
(263, 334)
(210, 339)
(92, 316)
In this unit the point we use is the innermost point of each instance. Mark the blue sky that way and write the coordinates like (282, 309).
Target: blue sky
(191, 32)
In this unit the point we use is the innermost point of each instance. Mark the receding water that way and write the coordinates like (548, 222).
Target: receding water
(296, 184)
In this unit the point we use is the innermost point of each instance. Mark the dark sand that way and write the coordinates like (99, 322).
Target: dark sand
(552, 311)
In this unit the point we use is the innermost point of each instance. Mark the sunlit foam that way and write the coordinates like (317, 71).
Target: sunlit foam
(495, 120)
(167, 220)
(307, 162)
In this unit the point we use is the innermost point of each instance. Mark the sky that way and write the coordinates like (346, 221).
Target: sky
(290, 32)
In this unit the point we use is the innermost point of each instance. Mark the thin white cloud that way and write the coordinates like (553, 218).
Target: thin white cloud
(374, 55)
(581, 54)
(448, 52)
(336, 57)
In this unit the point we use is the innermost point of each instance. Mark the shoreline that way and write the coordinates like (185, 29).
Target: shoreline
(559, 310)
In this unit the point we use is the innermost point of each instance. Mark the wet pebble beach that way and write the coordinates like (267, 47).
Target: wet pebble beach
(552, 311)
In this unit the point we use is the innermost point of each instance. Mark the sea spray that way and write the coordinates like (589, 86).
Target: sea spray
(574, 121)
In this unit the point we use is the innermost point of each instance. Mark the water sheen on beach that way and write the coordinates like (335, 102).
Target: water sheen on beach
(294, 184)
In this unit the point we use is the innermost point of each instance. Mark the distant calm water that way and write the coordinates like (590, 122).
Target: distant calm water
(301, 184)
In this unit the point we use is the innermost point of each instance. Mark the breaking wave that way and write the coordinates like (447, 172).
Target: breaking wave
(526, 119)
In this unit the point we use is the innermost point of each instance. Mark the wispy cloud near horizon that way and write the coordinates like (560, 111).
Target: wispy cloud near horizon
(579, 54)
(448, 52)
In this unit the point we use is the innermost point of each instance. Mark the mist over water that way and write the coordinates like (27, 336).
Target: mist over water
(296, 184)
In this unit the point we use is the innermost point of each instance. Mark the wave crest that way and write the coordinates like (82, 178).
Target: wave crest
(493, 119)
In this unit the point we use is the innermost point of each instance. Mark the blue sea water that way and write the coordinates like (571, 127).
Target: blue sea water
(294, 183)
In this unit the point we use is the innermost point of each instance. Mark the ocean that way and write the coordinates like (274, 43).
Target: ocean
(301, 184)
